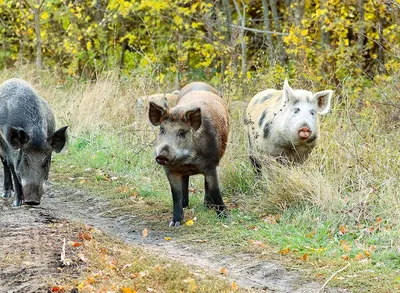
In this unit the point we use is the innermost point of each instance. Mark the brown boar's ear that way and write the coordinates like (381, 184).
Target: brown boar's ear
(17, 137)
(193, 116)
(289, 94)
(156, 113)
(58, 139)
(323, 100)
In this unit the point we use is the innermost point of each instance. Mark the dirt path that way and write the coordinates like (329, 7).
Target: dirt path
(26, 236)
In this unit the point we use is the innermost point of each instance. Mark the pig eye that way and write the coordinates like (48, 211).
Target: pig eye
(296, 110)
(26, 161)
(181, 133)
(312, 112)
(162, 130)
(45, 163)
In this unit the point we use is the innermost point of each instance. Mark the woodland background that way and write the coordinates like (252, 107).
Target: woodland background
(236, 42)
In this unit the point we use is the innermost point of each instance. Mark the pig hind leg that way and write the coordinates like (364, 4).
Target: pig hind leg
(7, 179)
(176, 182)
(185, 191)
(213, 198)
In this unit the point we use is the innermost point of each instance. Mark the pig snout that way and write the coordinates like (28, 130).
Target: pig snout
(32, 194)
(165, 156)
(162, 160)
(304, 132)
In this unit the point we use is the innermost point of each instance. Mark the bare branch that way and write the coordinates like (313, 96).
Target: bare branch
(260, 31)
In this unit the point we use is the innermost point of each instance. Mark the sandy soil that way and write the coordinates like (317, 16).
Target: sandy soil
(31, 241)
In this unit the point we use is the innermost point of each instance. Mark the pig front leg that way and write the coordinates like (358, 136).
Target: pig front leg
(176, 182)
(213, 198)
(18, 189)
(7, 179)
(185, 191)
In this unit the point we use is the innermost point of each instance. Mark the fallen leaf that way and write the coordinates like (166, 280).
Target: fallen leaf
(82, 257)
(284, 251)
(189, 223)
(360, 256)
(270, 219)
(58, 289)
(167, 238)
(304, 257)
(74, 244)
(345, 257)
(139, 274)
(367, 253)
(145, 233)
(343, 230)
(223, 271)
(345, 246)
(85, 236)
(127, 290)
(378, 219)
(200, 240)
(82, 181)
(234, 286)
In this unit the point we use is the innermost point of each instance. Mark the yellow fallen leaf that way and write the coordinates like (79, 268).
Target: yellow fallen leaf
(284, 251)
(127, 290)
(367, 253)
(167, 238)
(345, 257)
(145, 232)
(223, 270)
(234, 286)
(360, 256)
(189, 223)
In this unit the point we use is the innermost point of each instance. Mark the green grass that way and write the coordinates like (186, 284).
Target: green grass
(341, 206)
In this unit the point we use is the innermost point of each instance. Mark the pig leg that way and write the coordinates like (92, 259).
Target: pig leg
(176, 183)
(213, 196)
(18, 189)
(256, 165)
(185, 191)
(7, 179)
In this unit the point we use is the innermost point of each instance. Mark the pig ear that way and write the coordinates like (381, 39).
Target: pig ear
(17, 137)
(288, 92)
(156, 113)
(58, 139)
(193, 116)
(323, 100)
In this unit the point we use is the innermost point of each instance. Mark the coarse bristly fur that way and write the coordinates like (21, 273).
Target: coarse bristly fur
(192, 139)
(28, 125)
(284, 123)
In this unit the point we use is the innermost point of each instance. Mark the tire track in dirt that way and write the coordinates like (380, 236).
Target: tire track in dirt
(247, 271)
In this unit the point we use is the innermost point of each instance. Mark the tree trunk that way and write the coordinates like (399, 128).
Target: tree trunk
(36, 12)
(267, 25)
(361, 34)
(242, 17)
(277, 26)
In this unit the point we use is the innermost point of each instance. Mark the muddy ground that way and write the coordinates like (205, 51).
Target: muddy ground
(31, 240)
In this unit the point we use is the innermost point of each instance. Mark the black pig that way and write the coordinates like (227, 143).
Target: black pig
(27, 141)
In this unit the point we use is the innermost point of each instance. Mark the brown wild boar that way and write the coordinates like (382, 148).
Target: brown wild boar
(192, 139)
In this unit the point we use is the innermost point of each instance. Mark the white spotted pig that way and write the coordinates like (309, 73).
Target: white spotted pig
(284, 124)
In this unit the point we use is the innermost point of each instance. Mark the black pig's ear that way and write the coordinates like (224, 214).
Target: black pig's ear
(193, 116)
(17, 137)
(156, 113)
(58, 139)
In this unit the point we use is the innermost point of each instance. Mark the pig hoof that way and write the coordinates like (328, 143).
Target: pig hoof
(174, 224)
(17, 203)
(7, 194)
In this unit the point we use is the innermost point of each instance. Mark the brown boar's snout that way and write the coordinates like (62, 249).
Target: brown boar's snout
(162, 160)
(304, 132)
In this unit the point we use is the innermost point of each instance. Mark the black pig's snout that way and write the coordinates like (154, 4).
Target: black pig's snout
(162, 160)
